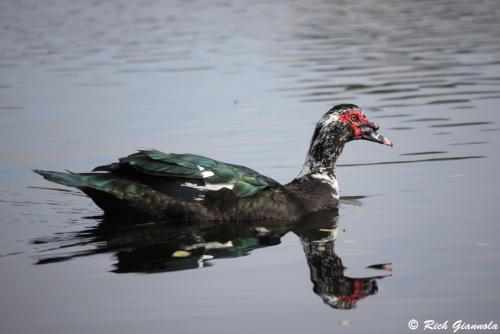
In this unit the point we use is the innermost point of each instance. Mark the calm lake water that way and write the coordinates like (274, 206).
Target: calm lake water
(85, 82)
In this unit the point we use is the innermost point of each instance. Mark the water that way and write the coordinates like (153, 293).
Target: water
(83, 83)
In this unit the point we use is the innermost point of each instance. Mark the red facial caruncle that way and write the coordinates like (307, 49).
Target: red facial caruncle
(357, 121)
(362, 127)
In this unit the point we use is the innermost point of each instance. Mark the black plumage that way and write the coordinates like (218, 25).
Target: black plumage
(188, 187)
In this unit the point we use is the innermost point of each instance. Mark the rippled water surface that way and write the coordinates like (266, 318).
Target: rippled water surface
(416, 236)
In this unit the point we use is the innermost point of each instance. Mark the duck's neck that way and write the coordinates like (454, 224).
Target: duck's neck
(317, 181)
(320, 162)
(322, 158)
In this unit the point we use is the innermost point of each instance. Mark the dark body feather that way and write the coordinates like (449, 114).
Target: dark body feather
(159, 192)
(189, 187)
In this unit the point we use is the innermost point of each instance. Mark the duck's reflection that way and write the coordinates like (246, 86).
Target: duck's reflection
(327, 270)
(151, 247)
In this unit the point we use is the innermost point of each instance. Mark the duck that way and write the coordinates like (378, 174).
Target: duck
(174, 187)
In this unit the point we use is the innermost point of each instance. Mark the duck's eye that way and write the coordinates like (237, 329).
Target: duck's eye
(354, 118)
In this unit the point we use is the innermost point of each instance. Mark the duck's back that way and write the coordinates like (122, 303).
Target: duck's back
(181, 187)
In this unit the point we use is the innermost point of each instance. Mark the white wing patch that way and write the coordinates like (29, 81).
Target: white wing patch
(208, 186)
(215, 187)
(193, 185)
(205, 173)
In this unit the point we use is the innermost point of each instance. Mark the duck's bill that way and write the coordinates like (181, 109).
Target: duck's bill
(372, 135)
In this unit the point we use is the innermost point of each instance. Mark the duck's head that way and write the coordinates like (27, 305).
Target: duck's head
(346, 122)
(339, 125)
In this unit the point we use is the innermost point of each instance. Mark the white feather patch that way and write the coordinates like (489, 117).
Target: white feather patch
(193, 185)
(199, 198)
(215, 187)
(205, 173)
(208, 186)
(331, 181)
(330, 119)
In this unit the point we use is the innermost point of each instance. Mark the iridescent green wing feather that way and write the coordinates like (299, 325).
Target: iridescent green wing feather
(215, 175)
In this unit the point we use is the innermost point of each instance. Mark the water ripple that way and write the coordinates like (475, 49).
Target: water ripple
(412, 161)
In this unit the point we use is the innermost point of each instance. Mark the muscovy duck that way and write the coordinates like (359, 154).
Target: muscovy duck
(188, 187)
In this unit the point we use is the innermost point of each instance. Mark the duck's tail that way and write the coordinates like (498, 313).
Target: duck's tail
(68, 179)
(113, 195)
(122, 197)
